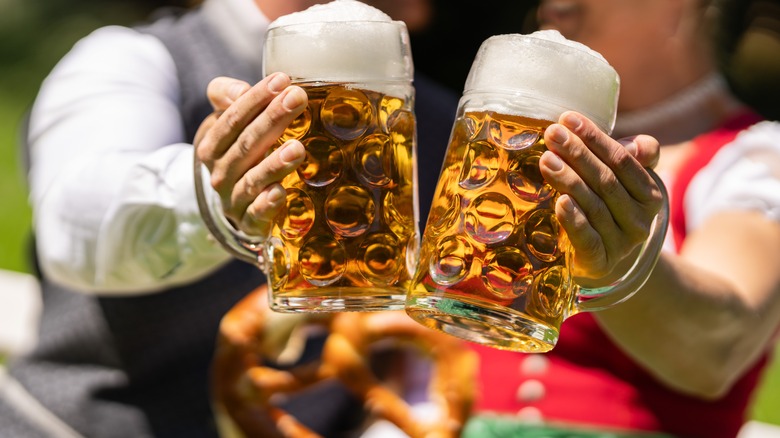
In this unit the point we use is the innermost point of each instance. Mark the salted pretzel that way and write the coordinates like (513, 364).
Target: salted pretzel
(251, 335)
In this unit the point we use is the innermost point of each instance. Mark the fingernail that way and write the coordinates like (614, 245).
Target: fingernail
(567, 203)
(275, 194)
(288, 154)
(277, 83)
(630, 148)
(572, 121)
(294, 98)
(236, 90)
(553, 161)
(558, 134)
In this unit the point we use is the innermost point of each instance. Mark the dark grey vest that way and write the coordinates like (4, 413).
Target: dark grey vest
(139, 366)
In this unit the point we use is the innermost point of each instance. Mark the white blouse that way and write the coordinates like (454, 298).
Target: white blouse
(743, 175)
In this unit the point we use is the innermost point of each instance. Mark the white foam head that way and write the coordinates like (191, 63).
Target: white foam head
(344, 40)
(548, 75)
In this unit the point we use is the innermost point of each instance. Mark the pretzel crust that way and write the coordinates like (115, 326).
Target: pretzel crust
(243, 387)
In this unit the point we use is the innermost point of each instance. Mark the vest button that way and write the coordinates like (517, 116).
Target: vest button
(534, 365)
(530, 391)
(530, 415)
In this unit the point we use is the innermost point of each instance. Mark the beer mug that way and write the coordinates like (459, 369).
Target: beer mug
(348, 237)
(495, 264)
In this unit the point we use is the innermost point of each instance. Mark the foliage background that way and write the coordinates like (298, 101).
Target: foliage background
(34, 34)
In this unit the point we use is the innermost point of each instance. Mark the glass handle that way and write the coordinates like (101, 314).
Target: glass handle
(593, 299)
(238, 244)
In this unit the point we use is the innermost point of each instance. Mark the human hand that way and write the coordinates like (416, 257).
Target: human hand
(234, 143)
(608, 198)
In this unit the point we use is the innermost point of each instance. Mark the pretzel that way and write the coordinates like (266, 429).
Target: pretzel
(250, 333)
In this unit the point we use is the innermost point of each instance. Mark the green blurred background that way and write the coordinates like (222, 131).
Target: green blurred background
(34, 34)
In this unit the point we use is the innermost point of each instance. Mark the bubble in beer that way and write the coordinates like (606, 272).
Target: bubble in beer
(346, 113)
(552, 291)
(387, 108)
(451, 260)
(525, 179)
(322, 260)
(279, 261)
(412, 253)
(402, 131)
(490, 218)
(511, 136)
(472, 125)
(323, 163)
(398, 211)
(349, 211)
(480, 165)
(542, 235)
(444, 211)
(507, 273)
(298, 215)
(380, 255)
(373, 160)
(400, 125)
(298, 127)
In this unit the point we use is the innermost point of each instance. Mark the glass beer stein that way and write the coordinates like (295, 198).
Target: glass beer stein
(348, 237)
(495, 265)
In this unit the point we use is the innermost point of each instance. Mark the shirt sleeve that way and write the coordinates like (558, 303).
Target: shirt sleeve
(114, 205)
(743, 175)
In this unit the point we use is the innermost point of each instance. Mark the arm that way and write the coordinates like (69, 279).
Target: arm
(725, 282)
(111, 176)
(706, 314)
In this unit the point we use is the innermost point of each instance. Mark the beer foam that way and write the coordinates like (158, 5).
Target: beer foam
(344, 40)
(556, 37)
(338, 10)
(546, 74)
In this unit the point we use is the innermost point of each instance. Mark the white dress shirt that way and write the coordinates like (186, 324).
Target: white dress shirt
(111, 177)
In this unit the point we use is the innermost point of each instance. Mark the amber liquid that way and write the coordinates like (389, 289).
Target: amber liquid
(350, 221)
(492, 245)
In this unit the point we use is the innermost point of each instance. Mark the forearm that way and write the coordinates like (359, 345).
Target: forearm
(125, 223)
(707, 314)
(111, 175)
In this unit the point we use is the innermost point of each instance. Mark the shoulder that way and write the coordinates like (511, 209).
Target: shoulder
(112, 70)
(111, 63)
(117, 52)
(743, 175)
(762, 134)
(760, 141)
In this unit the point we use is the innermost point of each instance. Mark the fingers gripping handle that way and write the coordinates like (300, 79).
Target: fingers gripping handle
(593, 299)
(242, 246)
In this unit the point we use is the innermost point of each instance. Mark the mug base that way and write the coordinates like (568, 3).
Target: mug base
(485, 324)
(334, 299)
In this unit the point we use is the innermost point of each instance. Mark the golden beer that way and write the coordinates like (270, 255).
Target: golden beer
(347, 237)
(343, 238)
(492, 238)
(495, 265)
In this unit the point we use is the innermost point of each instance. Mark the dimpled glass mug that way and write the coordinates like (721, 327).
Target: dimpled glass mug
(348, 236)
(495, 265)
